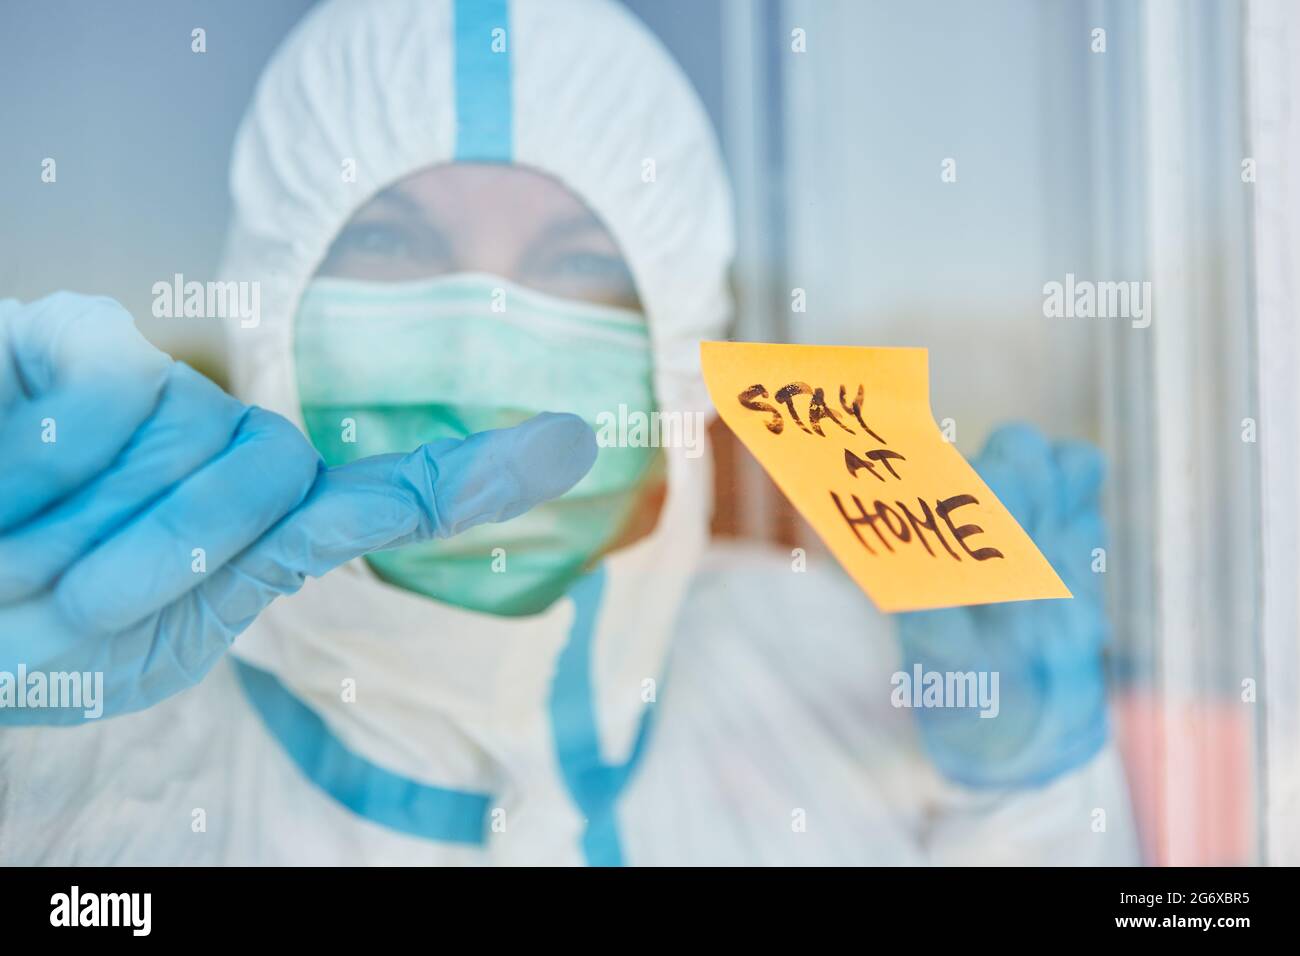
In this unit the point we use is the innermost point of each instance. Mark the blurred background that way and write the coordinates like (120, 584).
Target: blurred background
(905, 174)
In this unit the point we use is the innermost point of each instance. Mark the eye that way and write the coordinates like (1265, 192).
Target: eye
(592, 265)
(585, 274)
(376, 239)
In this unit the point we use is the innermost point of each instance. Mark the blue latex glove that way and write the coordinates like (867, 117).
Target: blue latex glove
(1052, 715)
(151, 461)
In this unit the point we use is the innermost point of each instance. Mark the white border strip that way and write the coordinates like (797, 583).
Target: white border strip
(1273, 64)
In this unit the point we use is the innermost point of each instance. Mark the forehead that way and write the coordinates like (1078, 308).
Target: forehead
(472, 192)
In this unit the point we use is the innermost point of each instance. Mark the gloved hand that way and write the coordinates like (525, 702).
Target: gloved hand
(146, 517)
(1052, 696)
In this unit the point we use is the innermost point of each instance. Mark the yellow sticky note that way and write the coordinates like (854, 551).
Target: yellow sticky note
(848, 435)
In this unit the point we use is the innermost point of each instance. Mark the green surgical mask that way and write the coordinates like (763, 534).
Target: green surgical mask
(385, 366)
